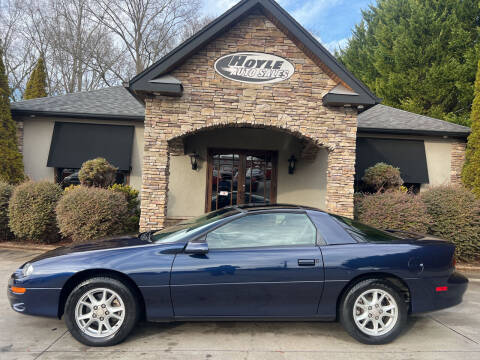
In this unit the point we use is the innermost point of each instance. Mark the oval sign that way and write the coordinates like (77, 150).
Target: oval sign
(254, 68)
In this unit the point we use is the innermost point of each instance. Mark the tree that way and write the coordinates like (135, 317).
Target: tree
(19, 58)
(11, 164)
(471, 168)
(90, 44)
(37, 83)
(194, 25)
(81, 52)
(146, 29)
(420, 56)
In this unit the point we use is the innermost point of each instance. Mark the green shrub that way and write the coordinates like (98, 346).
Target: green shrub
(88, 213)
(471, 167)
(382, 177)
(393, 210)
(5, 194)
(131, 195)
(11, 163)
(97, 172)
(456, 217)
(32, 211)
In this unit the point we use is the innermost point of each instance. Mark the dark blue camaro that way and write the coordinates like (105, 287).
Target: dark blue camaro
(243, 263)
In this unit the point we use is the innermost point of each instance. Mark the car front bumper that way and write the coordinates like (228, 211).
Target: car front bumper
(437, 293)
(35, 301)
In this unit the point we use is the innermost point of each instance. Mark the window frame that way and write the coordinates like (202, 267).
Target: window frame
(318, 238)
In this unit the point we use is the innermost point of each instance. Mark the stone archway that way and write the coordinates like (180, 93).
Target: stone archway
(165, 138)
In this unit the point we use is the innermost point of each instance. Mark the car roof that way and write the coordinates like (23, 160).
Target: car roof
(264, 206)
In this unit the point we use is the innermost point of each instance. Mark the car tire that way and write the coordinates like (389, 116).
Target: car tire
(101, 311)
(373, 321)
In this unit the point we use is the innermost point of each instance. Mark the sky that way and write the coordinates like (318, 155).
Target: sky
(330, 21)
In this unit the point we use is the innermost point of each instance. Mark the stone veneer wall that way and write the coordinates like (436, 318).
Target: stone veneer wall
(20, 136)
(211, 101)
(457, 160)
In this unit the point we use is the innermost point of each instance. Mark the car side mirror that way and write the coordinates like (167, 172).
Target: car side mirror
(196, 247)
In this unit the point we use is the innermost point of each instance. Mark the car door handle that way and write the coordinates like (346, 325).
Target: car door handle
(306, 262)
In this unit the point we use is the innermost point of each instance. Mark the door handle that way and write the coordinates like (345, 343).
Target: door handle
(306, 262)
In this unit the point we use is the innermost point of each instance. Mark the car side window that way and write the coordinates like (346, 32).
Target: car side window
(259, 230)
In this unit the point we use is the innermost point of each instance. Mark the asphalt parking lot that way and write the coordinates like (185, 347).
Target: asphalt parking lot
(450, 334)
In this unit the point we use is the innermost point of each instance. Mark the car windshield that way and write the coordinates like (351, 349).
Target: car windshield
(174, 233)
(364, 233)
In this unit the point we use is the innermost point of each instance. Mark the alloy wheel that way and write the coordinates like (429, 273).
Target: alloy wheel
(375, 312)
(100, 312)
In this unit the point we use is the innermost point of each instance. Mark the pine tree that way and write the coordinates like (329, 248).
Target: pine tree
(420, 56)
(471, 169)
(37, 83)
(11, 164)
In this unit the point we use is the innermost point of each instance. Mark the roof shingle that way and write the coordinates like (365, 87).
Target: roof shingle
(386, 119)
(113, 102)
(117, 102)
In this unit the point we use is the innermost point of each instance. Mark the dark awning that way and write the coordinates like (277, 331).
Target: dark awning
(74, 143)
(408, 155)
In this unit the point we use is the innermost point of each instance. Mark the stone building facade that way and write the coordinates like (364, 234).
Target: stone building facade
(211, 101)
(457, 161)
(203, 140)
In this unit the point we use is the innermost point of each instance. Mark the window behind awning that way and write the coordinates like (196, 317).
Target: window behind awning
(73, 144)
(408, 155)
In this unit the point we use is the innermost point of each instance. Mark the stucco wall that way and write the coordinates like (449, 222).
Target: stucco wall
(307, 186)
(438, 153)
(37, 133)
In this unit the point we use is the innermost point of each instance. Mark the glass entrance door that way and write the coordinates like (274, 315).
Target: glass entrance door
(240, 177)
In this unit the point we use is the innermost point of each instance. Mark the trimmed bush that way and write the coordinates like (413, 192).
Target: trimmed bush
(88, 213)
(97, 172)
(5, 194)
(456, 217)
(131, 195)
(382, 177)
(393, 210)
(71, 187)
(32, 211)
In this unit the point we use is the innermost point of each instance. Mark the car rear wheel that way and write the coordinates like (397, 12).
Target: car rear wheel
(101, 312)
(373, 312)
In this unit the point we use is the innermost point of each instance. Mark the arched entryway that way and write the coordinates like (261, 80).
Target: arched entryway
(237, 163)
(247, 164)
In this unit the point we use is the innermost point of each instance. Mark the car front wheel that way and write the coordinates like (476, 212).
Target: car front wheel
(373, 312)
(101, 312)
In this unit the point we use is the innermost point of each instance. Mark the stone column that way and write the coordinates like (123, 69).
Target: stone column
(20, 136)
(340, 177)
(457, 160)
(341, 164)
(155, 174)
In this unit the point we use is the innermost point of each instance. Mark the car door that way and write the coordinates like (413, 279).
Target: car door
(260, 265)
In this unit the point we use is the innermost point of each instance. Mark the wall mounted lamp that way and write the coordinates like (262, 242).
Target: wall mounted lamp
(194, 160)
(291, 164)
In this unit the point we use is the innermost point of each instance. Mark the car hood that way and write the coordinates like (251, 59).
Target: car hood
(120, 242)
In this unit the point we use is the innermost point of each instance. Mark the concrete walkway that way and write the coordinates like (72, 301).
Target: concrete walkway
(450, 334)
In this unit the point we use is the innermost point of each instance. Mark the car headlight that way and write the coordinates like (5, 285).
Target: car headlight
(27, 269)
